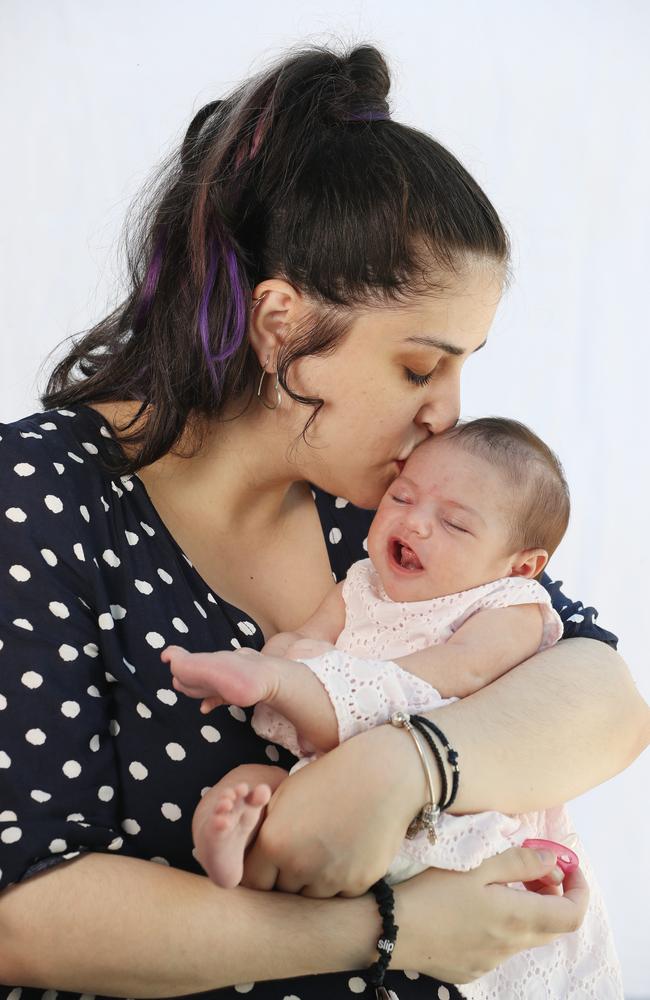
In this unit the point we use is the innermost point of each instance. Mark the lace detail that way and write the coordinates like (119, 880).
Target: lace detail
(376, 626)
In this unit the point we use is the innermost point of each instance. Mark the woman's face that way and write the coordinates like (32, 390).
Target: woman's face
(392, 381)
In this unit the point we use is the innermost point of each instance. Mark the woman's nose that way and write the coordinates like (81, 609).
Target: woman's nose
(442, 409)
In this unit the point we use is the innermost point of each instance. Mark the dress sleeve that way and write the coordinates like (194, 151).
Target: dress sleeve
(578, 620)
(58, 787)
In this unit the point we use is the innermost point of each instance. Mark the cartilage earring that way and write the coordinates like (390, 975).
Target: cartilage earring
(276, 387)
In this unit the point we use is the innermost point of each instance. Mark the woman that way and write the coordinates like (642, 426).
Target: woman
(308, 283)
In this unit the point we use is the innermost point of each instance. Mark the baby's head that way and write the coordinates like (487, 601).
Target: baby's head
(485, 500)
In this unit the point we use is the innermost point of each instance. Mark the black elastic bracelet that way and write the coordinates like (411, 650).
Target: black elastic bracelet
(452, 757)
(386, 943)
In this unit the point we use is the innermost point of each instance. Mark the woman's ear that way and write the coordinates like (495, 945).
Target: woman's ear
(276, 307)
(528, 563)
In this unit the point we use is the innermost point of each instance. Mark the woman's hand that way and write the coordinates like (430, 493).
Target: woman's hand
(456, 926)
(334, 827)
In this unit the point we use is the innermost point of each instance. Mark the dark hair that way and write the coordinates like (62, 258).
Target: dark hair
(298, 173)
(541, 503)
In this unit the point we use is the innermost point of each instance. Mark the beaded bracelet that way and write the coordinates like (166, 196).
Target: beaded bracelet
(386, 943)
(452, 756)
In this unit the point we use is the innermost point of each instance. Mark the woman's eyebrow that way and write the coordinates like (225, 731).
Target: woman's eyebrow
(441, 345)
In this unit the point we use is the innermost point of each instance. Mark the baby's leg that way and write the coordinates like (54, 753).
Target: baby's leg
(245, 677)
(228, 817)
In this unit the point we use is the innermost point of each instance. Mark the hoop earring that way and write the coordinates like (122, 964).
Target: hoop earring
(276, 387)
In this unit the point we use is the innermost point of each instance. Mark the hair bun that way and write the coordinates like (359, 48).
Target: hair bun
(369, 72)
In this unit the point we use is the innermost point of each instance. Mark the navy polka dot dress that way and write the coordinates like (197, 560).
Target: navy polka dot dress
(97, 750)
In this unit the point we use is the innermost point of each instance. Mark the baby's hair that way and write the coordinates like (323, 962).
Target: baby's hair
(541, 508)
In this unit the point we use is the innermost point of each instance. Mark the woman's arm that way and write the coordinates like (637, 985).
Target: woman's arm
(564, 721)
(119, 926)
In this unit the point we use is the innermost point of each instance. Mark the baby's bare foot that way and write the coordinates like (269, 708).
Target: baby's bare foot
(239, 678)
(225, 833)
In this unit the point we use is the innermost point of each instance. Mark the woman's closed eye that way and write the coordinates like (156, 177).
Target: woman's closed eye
(416, 379)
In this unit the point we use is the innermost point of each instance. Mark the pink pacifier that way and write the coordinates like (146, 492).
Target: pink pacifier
(567, 859)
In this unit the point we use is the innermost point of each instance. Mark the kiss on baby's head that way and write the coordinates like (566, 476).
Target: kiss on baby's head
(485, 500)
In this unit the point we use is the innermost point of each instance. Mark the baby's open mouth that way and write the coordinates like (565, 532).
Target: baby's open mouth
(404, 556)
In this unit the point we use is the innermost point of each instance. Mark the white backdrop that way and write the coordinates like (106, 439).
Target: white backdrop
(546, 104)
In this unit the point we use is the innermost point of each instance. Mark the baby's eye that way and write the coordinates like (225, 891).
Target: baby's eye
(457, 527)
(399, 499)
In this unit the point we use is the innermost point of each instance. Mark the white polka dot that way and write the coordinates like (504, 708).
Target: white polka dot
(109, 557)
(68, 653)
(83, 510)
(90, 448)
(341, 502)
(91, 649)
(115, 488)
(31, 679)
(126, 482)
(211, 599)
(246, 627)
(131, 537)
(53, 503)
(75, 818)
(5, 759)
(443, 993)
(8, 816)
(71, 768)
(244, 987)
(175, 751)
(16, 514)
(104, 431)
(24, 469)
(67, 413)
(160, 861)
(237, 713)
(356, 984)
(104, 504)
(179, 625)
(49, 557)
(335, 535)
(365, 545)
(59, 468)
(78, 550)
(115, 844)
(49, 426)
(105, 621)
(143, 711)
(138, 770)
(23, 623)
(94, 743)
(3, 703)
(236, 643)
(130, 826)
(149, 530)
(58, 609)
(40, 796)
(200, 609)
(117, 611)
(31, 434)
(171, 811)
(143, 587)
(155, 639)
(210, 734)
(36, 737)
(166, 696)
(411, 975)
(11, 835)
(164, 575)
(129, 666)
(70, 709)
(109, 677)
(58, 846)
(93, 691)
(20, 573)
(272, 753)
(76, 458)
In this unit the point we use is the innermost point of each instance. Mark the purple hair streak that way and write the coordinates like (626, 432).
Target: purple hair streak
(232, 335)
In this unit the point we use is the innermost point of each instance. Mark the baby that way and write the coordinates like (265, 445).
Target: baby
(447, 601)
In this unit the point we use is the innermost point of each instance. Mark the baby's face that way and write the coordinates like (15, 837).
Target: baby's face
(442, 526)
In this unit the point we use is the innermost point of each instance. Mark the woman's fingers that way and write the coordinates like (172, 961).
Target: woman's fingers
(518, 864)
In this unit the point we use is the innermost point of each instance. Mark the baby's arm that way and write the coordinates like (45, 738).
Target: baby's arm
(324, 625)
(487, 645)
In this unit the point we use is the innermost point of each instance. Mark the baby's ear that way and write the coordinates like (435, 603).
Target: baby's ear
(528, 562)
